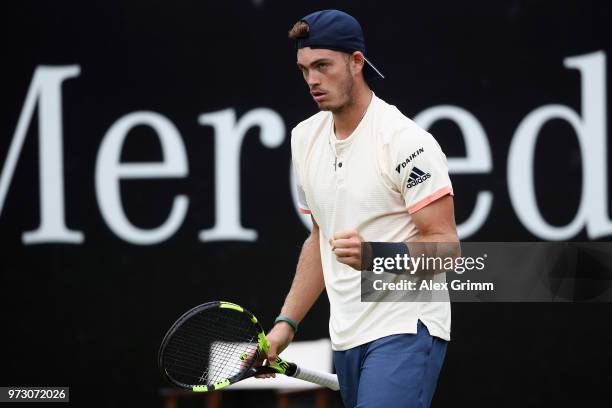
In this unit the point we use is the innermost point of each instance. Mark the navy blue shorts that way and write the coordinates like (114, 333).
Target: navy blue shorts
(391, 372)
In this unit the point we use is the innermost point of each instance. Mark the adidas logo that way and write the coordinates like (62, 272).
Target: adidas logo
(417, 176)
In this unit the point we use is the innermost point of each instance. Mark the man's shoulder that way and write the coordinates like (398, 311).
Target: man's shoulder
(305, 132)
(397, 127)
(313, 122)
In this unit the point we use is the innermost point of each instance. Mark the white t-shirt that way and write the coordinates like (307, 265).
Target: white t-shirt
(372, 181)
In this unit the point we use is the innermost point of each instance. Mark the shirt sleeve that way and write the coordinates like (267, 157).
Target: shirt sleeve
(419, 169)
(297, 179)
(301, 195)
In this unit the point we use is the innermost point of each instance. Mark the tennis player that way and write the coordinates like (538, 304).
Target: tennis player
(365, 173)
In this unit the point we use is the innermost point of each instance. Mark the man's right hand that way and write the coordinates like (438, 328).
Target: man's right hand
(279, 338)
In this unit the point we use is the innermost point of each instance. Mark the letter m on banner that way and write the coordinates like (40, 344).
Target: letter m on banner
(46, 93)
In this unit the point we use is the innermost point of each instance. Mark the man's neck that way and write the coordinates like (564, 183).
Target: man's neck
(347, 120)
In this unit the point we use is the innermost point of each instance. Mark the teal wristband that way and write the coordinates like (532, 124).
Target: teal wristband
(287, 320)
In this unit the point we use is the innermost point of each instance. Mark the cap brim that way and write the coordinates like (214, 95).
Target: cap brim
(371, 71)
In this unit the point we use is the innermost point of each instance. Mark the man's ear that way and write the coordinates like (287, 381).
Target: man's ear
(357, 61)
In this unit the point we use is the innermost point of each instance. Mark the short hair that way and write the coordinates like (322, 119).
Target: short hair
(299, 30)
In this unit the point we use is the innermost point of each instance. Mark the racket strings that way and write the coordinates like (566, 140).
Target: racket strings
(191, 355)
(211, 346)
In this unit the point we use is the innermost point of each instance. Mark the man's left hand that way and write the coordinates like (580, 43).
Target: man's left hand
(346, 245)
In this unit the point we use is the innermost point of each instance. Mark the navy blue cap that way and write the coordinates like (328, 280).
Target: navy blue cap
(338, 31)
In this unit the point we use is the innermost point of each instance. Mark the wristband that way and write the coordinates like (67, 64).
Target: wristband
(287, 320)
(372, 250)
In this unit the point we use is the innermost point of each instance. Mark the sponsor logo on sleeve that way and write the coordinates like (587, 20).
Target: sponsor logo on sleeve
(417, 176)
(403, 164)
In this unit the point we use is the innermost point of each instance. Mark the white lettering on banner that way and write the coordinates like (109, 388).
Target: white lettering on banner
(591, 133)
(229, 132)
(477, 158)
(228, 145)
(46, 89)
(110, 171)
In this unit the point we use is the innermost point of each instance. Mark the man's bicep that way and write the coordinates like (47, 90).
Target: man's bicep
(315, 226)
(437, 219)
(314, 231)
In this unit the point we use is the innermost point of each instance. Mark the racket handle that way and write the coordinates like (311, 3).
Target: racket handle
(317, 377)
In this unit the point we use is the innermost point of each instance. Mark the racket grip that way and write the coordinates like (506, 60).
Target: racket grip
(317, 377)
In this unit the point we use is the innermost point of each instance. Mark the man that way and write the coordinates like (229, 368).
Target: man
(365, 173)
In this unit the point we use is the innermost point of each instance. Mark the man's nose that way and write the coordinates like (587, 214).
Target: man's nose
(313, 79)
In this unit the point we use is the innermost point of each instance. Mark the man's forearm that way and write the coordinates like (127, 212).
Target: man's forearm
(308, 282)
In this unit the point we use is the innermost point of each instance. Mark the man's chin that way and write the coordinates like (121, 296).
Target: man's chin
(324, 106)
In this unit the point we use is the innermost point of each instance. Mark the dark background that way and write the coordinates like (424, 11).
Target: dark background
(92, 315)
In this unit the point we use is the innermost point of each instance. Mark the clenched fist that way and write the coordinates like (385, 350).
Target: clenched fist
(346, 245)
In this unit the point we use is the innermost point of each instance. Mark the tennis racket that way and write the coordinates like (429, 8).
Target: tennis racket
(216, 344)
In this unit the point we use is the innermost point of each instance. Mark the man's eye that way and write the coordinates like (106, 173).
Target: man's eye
(323, 66)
